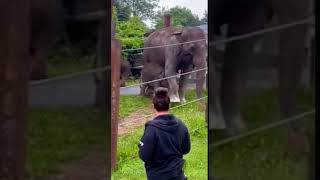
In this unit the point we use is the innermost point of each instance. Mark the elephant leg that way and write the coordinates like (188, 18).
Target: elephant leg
(46, 26)
(290, 62)
(200, 80)
(183, 83)
(40, 46)
(234, 74)
(143, 89)
(170, 70)
(216, 115)
(39, 65)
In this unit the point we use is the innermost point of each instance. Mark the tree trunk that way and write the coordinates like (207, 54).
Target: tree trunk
(14, 47)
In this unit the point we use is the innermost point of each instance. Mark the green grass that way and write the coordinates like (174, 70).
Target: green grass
(130, 167)
(59, 136)
(130, 82)
(129, 104)
(261, 156)
(61, 65)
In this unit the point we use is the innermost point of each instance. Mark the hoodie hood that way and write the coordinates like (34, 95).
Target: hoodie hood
(167, 122)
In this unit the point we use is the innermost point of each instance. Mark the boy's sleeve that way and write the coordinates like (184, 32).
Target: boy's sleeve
(146, 144)
(186, 145)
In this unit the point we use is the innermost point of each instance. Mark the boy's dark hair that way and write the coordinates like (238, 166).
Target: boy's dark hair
(161, 100)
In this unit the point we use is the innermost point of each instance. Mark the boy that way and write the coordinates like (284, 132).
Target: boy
(166, 139)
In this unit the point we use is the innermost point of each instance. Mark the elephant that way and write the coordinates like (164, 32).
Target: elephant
(183, 57)
(46, 24)
(49, 19)
(247, 16)
(152, 72)
(125, 68)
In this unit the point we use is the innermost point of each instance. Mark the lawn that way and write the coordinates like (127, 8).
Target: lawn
(129, 104)
(132, 81)
(262, 156)
(59, 136)
(130, 167)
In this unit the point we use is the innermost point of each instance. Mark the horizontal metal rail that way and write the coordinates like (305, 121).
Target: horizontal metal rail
(261, 129)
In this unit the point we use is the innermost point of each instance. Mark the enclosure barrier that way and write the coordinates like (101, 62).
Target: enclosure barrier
(214, 43)
(175, 107)
(261, 129)
(160, 79)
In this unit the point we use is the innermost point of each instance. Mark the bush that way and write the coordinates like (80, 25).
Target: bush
(131, 34)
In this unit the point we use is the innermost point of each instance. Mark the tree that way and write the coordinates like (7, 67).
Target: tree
(204, 20)
(181, 16)
(122, 12)
(141, 8)
(131, 34)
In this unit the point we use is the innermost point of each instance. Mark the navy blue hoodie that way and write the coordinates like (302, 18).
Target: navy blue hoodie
(166, 139)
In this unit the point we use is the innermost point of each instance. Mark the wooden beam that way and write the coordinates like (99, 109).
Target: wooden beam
(14, 51)
(167, 20)
(115, 90)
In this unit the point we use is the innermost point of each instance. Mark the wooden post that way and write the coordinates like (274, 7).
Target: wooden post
(167, 20)
(115, 90)
(14, 51)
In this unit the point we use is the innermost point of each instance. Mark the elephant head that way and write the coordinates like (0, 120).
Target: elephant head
(196, 52)
(151, 72)
(125, 68)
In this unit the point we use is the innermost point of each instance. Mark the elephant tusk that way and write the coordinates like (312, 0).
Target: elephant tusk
(145, 89)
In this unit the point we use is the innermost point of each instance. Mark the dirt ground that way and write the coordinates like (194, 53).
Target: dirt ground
(135, 120)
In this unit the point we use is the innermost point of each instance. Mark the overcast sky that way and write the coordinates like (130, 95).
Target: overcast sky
(197, 7)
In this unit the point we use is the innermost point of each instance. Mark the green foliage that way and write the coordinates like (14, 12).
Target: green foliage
(181, 16)
(141, 8)
(122, 12)
(115, 13)
(131, 33)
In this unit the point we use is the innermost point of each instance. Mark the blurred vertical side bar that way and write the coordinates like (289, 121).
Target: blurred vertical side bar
(210, 87)
(103, 86)
(14, 46)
